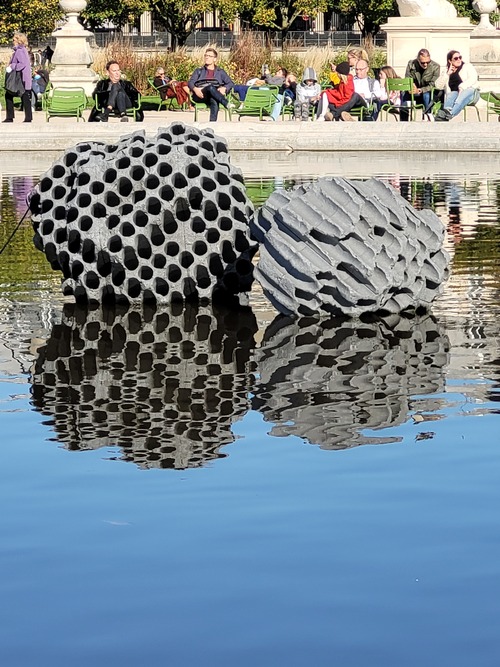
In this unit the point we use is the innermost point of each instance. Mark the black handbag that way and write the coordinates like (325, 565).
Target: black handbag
(14, 83)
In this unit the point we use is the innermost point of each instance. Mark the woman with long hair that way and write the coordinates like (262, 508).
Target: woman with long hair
(459, 82)
(20, 61)
(394, 97)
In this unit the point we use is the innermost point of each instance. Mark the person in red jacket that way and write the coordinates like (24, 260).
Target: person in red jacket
(340, 97)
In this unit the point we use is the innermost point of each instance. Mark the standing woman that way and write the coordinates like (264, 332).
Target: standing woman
(20, 61)
(459, 82)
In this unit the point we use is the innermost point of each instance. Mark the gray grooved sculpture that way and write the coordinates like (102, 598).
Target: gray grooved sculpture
(147, 220)
(338, 246)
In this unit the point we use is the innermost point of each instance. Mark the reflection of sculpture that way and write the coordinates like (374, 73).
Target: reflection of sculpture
(162, 219)
(165, 386)
(427, 8)
(325, 381)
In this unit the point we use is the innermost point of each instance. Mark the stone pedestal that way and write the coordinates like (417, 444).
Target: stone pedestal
(407, 35)
(72, 56)
(485, 56)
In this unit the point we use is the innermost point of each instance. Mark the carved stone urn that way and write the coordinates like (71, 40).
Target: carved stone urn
(72, 56)
(484, 8)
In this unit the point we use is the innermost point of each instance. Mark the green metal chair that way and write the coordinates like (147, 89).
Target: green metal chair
(492, 104)
(259, 102)
(201, 106)
(64, 102)
(169, 103)
(403, 86)
(130, 111)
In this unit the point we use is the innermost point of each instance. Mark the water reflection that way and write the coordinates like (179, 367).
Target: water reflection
(326, 381)
(164, 385)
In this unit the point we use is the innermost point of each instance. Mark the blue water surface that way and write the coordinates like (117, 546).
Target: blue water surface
(288, 543)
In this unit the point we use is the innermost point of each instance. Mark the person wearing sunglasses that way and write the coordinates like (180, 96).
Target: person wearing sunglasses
(460, 83)
(423, 71)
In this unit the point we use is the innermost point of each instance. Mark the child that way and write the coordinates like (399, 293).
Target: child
(341, 97)
(308, 93)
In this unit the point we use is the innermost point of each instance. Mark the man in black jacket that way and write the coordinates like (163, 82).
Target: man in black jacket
(115, 96)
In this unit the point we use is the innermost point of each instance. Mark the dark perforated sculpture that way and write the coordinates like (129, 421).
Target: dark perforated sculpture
(163, 385)
(332, 381)
(158, 219)
(351, 247)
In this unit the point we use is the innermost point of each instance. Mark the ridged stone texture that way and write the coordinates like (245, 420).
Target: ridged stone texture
(352, 247)
(159, 219)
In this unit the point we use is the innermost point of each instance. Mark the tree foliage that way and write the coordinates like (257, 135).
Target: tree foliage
(280, 14)
(36, 18)
(369, 14)
(117, 12)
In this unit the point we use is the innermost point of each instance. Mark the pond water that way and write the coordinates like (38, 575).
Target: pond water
(198, 488)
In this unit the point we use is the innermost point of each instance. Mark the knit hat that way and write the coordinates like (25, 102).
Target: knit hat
(343, 68)
(309, 75)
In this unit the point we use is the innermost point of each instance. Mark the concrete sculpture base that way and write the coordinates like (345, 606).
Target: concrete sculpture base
(160, 219)
(351, 247)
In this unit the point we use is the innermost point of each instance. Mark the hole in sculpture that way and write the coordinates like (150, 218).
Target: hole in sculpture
(161, 286)
(112, 198)
(195, 197)
(133, 288)
(152, 182)
(115, 244)
(99, 210)
(172, 249)
(97, 188)
(182, 210)
(210, 211)
(208, 184)
(124, 187)
(92, 280)
(88, 251)
(141, 218)
(137, 172)
(199, 248)
(215, 265)
(130, 259)
(146, 273)
(127, 229)
(154, 206)
(143, 247)
(156, 235)
(113, 221)
(85, 223)
(84, 200)
(238, 194)
(212, 235)
(222, 179)
(159, 261)
(166, 193)
(228, 254)
(109, 176)
(169, 223)
(164, 170)
(74, 241)
(179, 181)
(224, 201)
(173, 273)
(186, 259)
(150, 159)
(59, 192)
(225, 224)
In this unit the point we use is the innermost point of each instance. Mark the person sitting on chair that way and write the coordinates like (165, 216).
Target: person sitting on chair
(115, 96)
(170, 88)
(210, 84)
(39, 84)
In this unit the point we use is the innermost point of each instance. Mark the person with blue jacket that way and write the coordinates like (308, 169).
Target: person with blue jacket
(210, 84)
(20, 61)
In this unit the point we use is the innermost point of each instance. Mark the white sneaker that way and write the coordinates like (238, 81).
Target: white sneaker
(430, 117)
(321, 119)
